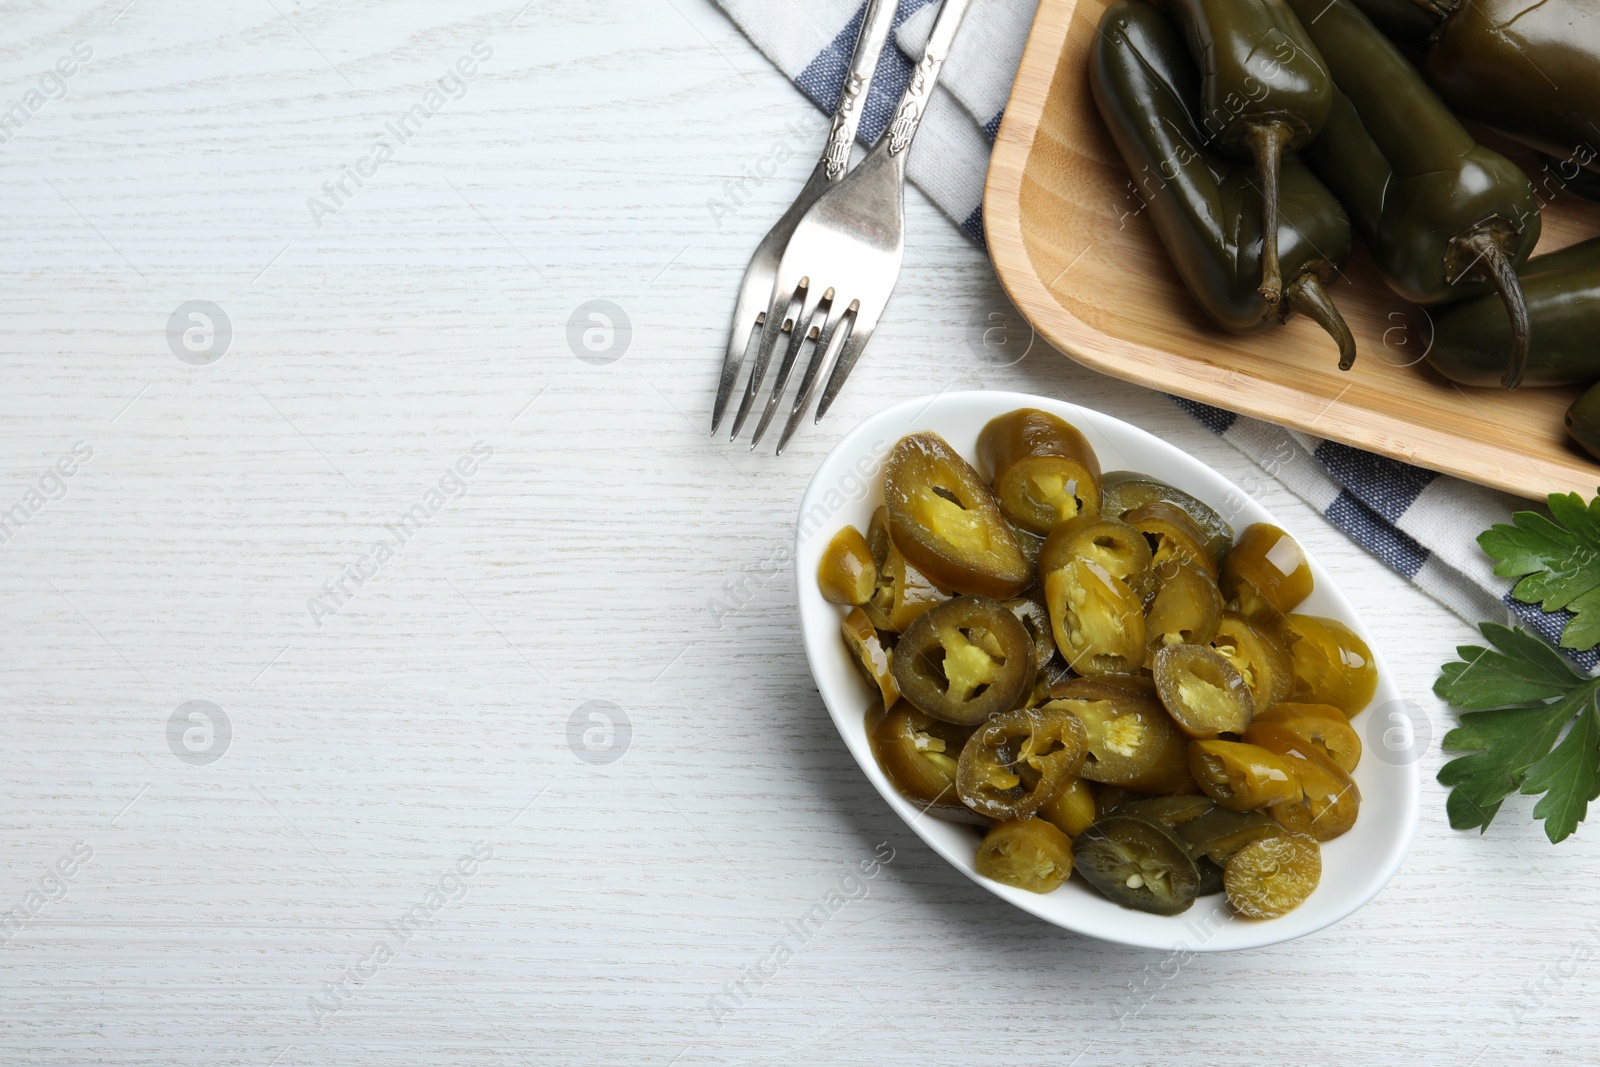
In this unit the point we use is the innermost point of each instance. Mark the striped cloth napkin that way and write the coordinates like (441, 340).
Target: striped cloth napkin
(1422, 525)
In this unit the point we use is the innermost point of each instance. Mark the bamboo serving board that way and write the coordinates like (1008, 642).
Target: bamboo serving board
(1088, 271)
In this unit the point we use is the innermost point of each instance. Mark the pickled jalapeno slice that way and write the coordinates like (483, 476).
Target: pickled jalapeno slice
(902, 592)
(847, 573)
(918, 754)
(1273, 876)
(1330, 662)
(946, 522)
(1257, 656)
(1072, 809)
(1187, 609)
(1132, 741)
(1242, 777)
(1202, 691)
(1113, 546)
(1018, 760)
(1219, 833)
(1043, 470)
(1174, 538)
(1096, 619)
(1137, 863)
(1328, 807)
(1029, 854)
(1321, 726)
(965, 660)
(1330, 800)
(861, 638)
(1266, 574)
(1123, 491)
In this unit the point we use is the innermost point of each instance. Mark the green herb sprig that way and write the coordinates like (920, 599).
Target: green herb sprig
(1526, 695)
(1532, 723)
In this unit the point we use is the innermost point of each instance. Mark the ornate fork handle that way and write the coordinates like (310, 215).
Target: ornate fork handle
(914, 101)
(876, 22)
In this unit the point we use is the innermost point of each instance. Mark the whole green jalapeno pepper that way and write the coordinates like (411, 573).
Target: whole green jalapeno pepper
(1583, 420)
(1205, 206)
(1264, 91)
(1438, 210)
(1529, 67)
(1470, 339)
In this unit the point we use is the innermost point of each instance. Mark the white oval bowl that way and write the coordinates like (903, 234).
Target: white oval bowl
(848, 487)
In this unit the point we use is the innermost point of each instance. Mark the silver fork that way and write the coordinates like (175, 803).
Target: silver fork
(844, 258)
(756, 289)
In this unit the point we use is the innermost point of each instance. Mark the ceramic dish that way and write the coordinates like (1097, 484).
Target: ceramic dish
(848, 487)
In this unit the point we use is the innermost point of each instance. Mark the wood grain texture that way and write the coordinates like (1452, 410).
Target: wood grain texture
(1081, 260)
(605, 552)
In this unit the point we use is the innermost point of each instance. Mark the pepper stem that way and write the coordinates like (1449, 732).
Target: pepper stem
(1306, 296)
(1490, 260)
(1267, 142)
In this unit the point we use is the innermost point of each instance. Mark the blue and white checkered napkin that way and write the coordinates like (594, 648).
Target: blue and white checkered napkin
(1421, 524)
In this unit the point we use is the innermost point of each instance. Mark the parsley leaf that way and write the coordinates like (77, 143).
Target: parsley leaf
(1528, 695)
(1560, 559)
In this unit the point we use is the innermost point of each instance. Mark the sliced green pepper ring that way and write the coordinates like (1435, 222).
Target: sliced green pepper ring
(1321, 726)
(1044, 471)
(1258, 657)
(1202, 691)
(1186, 610)
(1174, 538)
(867, 650)
(1096, 619)
(1018, 760)
(918, 754)
(1219, 833)
(1110, 544)
(1137, 863)
(965, 660)
(945, 520)
(1266, 574)
(1330, 800)
(1030, 854)
(1125, 490)
(847, 572)
(1242, 777)
(1330, 661)
(902, 592)
(1072, 809)
(1132, 741)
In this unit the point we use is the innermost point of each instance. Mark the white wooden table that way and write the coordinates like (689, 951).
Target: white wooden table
(389, 713)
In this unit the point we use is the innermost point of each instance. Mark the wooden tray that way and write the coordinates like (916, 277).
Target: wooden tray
(1095, 282)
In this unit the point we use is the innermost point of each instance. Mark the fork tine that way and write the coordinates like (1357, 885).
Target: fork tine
(739, 342)
(787, 304)
(819, 361)
(860, 333)
(803, 332)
